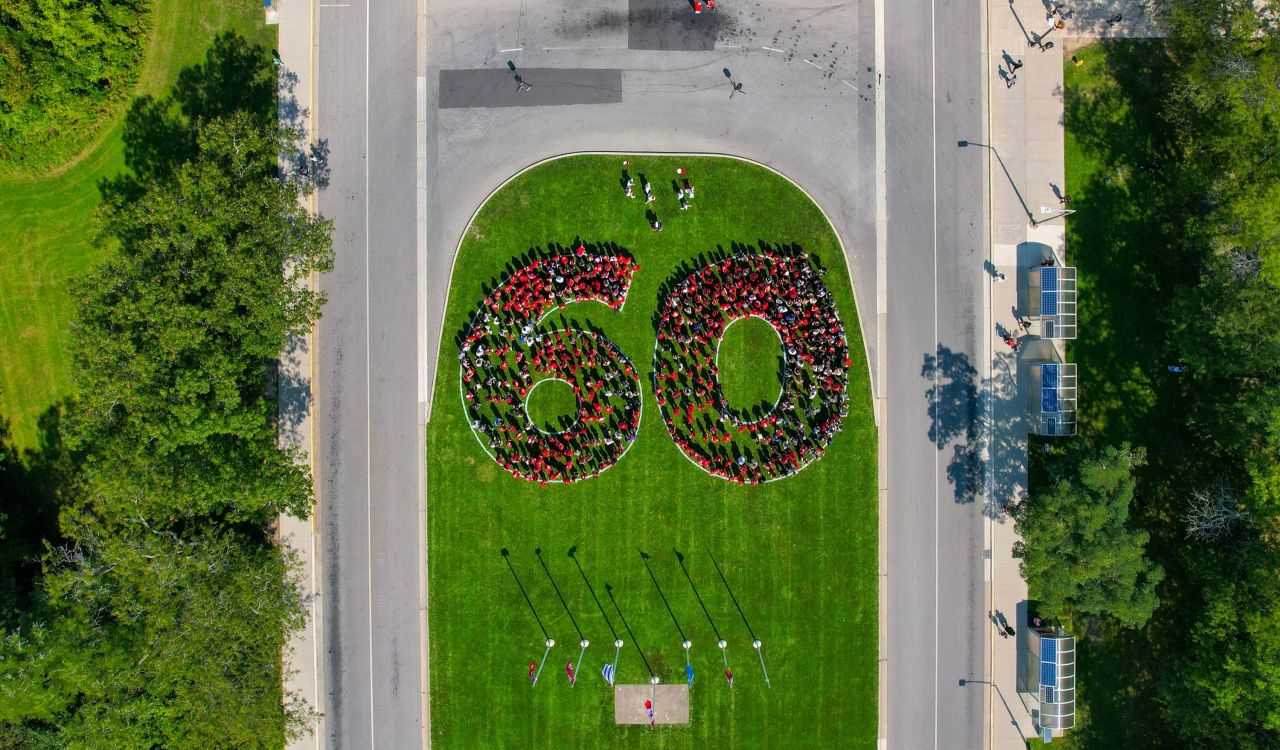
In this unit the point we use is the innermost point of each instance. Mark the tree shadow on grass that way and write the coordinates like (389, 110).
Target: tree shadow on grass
(34, 486)
(236, 77)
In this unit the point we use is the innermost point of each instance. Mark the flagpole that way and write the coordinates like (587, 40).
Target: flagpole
(584, 643)
(617, 650)
(550, 642)
(724, 645)
(654, 681)
(756, 645)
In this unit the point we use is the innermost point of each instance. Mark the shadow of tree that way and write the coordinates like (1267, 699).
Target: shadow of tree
(983, 422)
(34, 486)
(236, 76)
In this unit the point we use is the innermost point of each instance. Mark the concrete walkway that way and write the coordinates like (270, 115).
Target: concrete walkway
(1027, 224)
(303, 676)
(1026, 161)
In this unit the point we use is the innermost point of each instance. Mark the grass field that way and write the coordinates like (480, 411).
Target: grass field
(47, 226)
(800, 554)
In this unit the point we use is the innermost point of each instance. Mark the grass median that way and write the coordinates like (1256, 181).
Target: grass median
(799, 554)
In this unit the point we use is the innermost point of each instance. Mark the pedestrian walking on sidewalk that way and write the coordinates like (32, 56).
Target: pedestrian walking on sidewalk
(1065, 199)
(995, 620)
(1014, 65)
(999, 277)
(1009, 78)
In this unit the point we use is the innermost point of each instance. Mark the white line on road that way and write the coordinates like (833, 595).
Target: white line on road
(772, 49)
(513, 49)
(811, 62)
(336, 5)
(937, 383)
(728, 46)
(368, 391)
(850, 85)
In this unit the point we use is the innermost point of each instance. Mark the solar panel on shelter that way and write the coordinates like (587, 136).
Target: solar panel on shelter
(1057, 682)
(1057, 290)
(1048, 388)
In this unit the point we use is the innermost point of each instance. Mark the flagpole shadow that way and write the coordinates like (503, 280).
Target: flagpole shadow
(506, 556)
(608, 590)
(573, 556)
(645, 557)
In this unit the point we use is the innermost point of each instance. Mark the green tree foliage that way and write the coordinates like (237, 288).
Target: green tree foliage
(158, 640)
(1226, 110)
(1078, 550)
(1224, 691)
(174, 334)
(162, 606)
(63, 65)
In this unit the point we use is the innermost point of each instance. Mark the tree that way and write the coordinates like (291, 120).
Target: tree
(1214, 513)
(174, 335)
(1078, 551)
(158, 640)
(63, 66)
(1223, 688)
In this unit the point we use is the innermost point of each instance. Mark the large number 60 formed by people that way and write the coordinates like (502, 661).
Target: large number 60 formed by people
(505, 352)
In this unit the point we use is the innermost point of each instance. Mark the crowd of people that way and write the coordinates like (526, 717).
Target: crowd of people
(787, 292)
(503, 357)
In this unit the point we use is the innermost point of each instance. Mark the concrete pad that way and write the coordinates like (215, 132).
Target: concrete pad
(497, 87)
(670, 704)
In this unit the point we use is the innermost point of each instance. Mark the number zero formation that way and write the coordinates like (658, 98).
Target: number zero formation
(504, 354)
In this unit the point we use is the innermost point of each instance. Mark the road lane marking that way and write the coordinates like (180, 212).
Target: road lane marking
(933, 103)
(811, 62)
(512, 49)
(850, 85)
(368, 397)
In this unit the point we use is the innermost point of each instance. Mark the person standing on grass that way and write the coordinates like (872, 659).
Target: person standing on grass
(533, 666)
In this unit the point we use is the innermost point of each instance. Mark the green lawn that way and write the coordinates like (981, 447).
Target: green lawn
(551, 402)
(754, 347)
(47, 226)
(800, 553)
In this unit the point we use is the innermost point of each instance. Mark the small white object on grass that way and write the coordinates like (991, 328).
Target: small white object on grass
(687, 644)
(722, 644)
(584, 643)
(617, 643)
(551, 642)
(756, 644)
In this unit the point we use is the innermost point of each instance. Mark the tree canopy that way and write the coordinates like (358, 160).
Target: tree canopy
(1078, 549)
(63, 65)
(161, 604)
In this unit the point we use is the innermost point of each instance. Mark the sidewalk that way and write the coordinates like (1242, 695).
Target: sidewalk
(1026, 177)
(303, 677)
(1027, 182)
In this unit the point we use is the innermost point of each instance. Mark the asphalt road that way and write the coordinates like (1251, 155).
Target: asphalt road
(369, 441)
(807, 110)
(937, 215)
